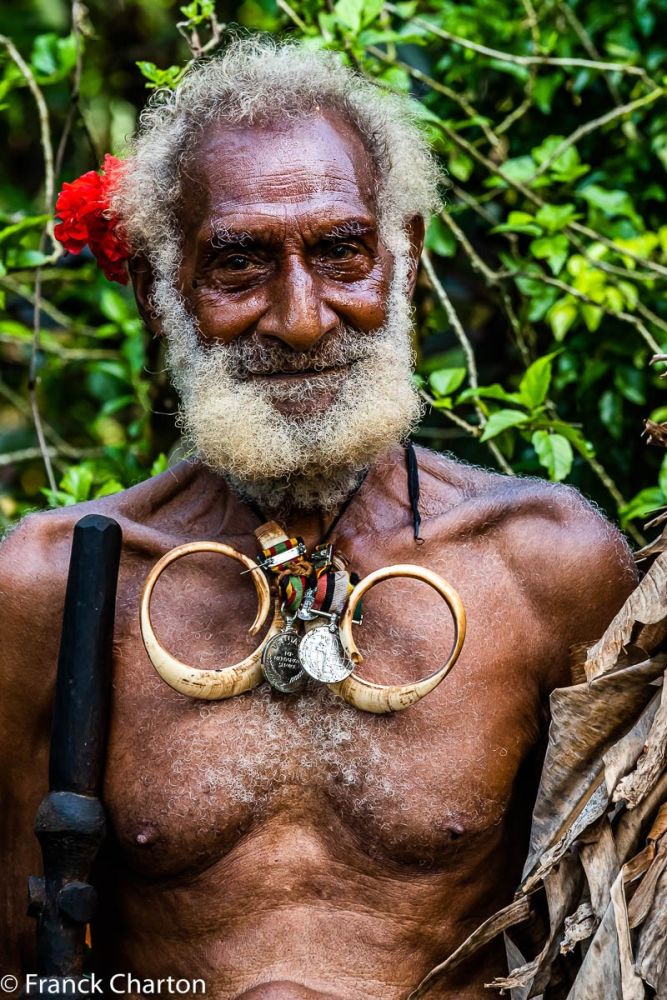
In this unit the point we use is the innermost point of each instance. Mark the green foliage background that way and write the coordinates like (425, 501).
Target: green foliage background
(541, 299)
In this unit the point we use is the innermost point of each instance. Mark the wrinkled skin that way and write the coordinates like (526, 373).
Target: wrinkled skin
(291, 848)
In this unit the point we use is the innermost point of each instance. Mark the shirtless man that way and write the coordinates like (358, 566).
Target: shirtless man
(293, 847)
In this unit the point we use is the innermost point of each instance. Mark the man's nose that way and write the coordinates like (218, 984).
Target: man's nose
(298, 314)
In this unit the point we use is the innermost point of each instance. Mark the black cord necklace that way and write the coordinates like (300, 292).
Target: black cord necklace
(412, 466)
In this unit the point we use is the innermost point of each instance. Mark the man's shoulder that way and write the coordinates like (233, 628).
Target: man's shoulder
(448, 483)
(532, 523)
(567, 568)
(37, 548)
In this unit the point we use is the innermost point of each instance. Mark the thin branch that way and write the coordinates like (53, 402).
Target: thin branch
(518, 113)
(515, 323)
(65, 353)
(575, 293)
(473, 431)
(613, 489)
(456, 324)
(500, 458)
(78, 15)
(49, 193)
(651, 316)
(517, 60)
(32, 382)
(29, 454)
(471, 364)
(476, 205)
(293, 16)
(440, 88)
(66, 322)
(588, 44)
(24, 408)
(593, 125)
(536, 200)
(44, 127)
(476, 262)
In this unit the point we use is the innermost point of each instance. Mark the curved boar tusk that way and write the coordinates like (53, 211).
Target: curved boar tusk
(382, 698)
(223, 682)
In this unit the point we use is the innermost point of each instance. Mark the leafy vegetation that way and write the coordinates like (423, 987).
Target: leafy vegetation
(541, 299)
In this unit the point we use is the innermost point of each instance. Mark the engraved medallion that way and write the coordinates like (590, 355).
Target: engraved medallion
(322, 656)
(280, 663)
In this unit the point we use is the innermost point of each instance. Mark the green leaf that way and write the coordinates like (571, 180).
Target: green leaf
(356, 14)
(494, 391)
(610, 408)
(460, 165)
(519, 222)
(631, 383)
(544, 90)
(645, 502)
(77, 482)
(445, 381)
(553, 249)
(108, 488)
(662, 476)
(561, 316)
(519, 168)
(53, 57)
(614, 299)
(554, 453)
(198, 11)
(541, 303)
(406, 8)
(58, 498)
(20, 257)
(115, 307)
(29, 222)
(567, 166)
(629, 292)
(574, 436)
(592, 316)
(611, 203)
(555, 217)
(534, 385)
(439, 238)
(501, 420)
(156, 78)
(161, 464)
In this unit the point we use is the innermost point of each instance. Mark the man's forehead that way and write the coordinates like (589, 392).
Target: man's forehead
(317, 164)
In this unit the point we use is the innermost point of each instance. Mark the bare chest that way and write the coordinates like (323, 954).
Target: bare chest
(188, 780)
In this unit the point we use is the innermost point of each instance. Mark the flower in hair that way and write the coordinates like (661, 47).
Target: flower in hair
(83, 206)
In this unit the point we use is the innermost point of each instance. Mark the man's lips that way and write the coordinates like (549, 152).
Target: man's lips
(304, 373)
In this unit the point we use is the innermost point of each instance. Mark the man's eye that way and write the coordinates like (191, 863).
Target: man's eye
(237, 262)
(340, 251)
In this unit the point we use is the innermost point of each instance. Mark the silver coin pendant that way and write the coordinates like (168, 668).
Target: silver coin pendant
(281, 665)
(322, 656)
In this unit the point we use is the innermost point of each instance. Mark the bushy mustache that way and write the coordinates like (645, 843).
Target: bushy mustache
(259, 355)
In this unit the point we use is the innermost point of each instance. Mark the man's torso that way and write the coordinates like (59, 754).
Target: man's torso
(293, 839)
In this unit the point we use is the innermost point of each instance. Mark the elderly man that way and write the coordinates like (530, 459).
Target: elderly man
(286, 847)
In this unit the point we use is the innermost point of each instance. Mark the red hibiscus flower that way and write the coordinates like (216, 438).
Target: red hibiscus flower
(83, 207)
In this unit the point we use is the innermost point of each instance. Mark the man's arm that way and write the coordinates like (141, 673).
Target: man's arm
(577, 570)
(33, 574)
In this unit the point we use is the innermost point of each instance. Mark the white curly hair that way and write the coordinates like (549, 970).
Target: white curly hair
(254, 80)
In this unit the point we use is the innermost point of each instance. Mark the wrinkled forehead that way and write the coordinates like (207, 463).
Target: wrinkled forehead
(312, 165)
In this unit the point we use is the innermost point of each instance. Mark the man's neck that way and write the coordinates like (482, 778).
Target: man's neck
(304, 506)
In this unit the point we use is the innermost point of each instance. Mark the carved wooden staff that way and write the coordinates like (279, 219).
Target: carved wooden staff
(70, 823)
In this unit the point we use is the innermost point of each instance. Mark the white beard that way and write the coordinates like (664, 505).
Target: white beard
(283, 461)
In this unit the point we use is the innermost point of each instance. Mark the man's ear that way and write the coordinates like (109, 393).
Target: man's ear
(414, 230)
(141, 275)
